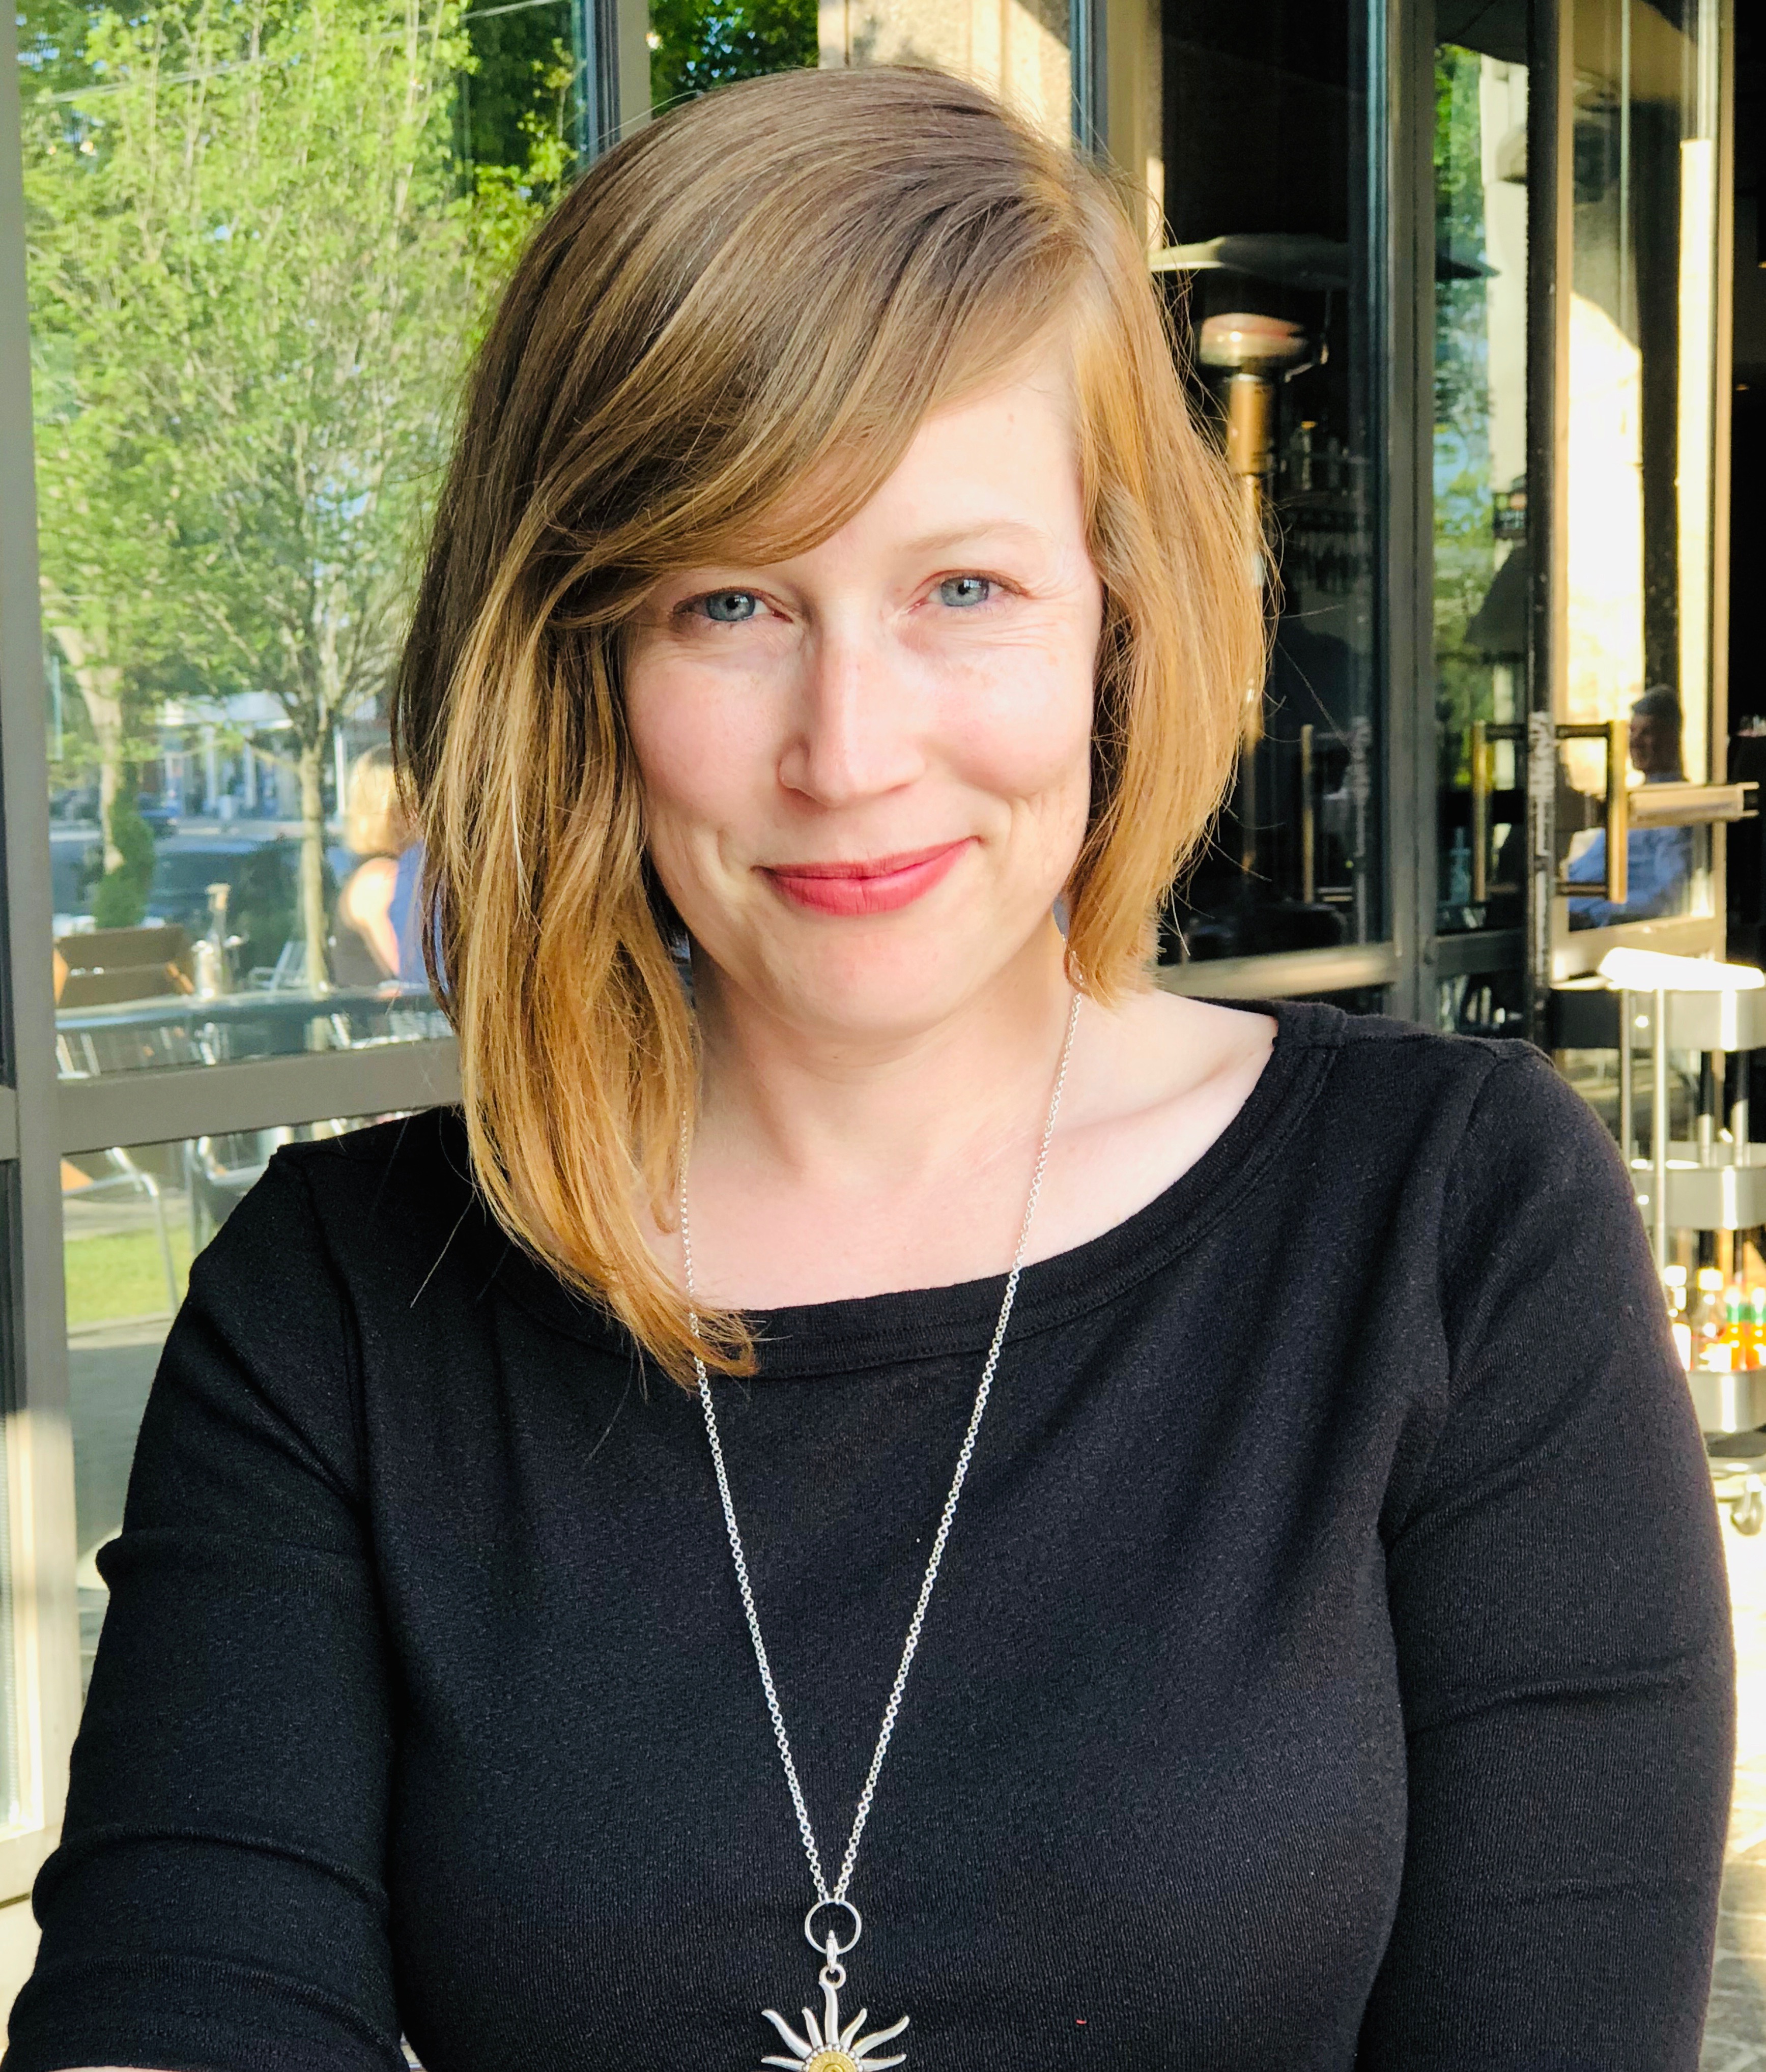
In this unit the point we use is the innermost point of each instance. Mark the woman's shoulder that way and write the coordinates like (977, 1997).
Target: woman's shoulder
(406, 1156)
(1410, 1064)
(1332, 1097)
(1373, 1100)
(1486, 1126)
(371, 882)
(377, 1211)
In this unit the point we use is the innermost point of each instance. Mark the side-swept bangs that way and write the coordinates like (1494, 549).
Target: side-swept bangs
(725, 338)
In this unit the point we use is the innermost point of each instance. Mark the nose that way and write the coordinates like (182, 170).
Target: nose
(857, 728)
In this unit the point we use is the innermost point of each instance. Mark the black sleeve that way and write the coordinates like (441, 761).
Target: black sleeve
(1558, 1601)
(218, 1899)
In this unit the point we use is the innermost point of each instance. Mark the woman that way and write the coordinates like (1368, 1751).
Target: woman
(1324, 1662)
(372, 907)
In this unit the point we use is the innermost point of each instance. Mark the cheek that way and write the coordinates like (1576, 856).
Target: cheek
(1031, 724)
(696, 760)
(1025, 733)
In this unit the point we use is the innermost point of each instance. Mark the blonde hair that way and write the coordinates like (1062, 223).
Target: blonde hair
(726, 335)
(374, 821)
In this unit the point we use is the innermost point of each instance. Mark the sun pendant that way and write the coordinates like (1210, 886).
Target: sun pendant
(825, 2046)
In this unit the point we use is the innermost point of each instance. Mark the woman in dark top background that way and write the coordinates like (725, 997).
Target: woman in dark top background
(1284, 1628)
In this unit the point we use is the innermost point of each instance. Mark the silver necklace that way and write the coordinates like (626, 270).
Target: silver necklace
(829, 2045)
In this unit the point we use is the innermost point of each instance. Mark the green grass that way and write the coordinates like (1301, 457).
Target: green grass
(121, 1274)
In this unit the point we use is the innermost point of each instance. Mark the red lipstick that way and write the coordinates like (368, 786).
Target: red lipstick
(881, 885)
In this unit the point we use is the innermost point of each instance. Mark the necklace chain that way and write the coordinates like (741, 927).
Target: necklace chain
(828, 1895)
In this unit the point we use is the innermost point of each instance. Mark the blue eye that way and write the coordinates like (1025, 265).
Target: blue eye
(964, 590)
(729, 607)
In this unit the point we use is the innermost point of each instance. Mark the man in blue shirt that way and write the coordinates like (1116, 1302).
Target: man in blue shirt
(1658, 861)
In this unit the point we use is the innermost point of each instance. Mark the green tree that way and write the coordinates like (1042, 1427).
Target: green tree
(104, 479)
(513, 93)
(121, 897)
(1464, 540)
(252, 247)
(695, 44)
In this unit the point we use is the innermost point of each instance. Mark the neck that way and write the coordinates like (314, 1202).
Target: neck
(836, 1110)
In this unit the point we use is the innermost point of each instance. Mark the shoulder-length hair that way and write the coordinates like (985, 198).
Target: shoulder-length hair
(724, 338)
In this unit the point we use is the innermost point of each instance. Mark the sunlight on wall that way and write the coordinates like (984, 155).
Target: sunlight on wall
(1017, 50)
(1697, 328)
(1606, 532)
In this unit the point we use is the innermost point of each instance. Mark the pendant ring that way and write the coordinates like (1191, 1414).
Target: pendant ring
(831, 1941)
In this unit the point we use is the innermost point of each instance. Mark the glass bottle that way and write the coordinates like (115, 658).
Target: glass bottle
(1737, 1321)
(1709, 1349)
(1673, 1281)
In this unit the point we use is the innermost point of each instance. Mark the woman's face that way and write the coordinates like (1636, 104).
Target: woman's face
(866, 769)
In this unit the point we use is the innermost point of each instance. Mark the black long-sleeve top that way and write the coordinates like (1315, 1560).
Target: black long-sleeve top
(1330, 1667)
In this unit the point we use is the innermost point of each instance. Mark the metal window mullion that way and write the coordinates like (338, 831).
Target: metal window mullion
(1550, 250)
(39, 1448)
(1088, 69)
(9, 1126)
(1286, 974)
(1721, 64)
(594, 51)
(1401, 135)
(257, 1093)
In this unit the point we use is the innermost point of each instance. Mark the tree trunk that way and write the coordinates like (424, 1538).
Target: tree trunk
(315, 921)
(99, 685)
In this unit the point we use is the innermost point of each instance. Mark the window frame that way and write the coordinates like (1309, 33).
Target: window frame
(42, 1119)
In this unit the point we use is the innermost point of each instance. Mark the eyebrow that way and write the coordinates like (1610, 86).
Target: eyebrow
(925, 544)
(986, 528)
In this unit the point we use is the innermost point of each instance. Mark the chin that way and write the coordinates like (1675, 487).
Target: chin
(884, 990)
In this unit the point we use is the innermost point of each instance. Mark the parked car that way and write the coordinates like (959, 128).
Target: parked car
(75, 803)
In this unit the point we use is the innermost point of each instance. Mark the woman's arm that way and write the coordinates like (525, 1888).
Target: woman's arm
(1559, 1608)
(218, 1897)
(367, 904)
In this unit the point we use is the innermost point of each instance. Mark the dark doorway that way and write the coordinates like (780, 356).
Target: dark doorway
(1746, 850)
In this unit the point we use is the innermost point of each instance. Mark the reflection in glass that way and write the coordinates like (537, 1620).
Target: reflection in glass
(1642, 340)
(1263, 111)
(699, 43)
(261, 241)
(1481, 563)
(133, 1219)
(1659, 860)
(1018, 49)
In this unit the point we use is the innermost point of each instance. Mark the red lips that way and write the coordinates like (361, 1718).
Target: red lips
(879, 885)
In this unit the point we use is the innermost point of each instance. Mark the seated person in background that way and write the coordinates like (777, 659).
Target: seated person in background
(1658, 861)
(367, 946)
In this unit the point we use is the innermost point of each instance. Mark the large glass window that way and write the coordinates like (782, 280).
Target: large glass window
(1262, 156)
(1019, 48)
(1481, 563)
(1643, 334)
(261, 240)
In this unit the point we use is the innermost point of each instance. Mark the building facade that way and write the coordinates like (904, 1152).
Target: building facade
(1452, 281)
